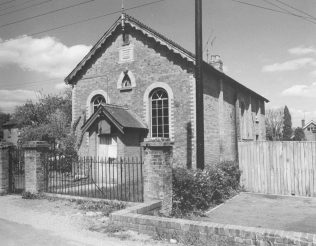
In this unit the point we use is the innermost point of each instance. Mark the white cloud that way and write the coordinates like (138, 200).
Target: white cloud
(45, 55)
(11, 98)
(301, 90)
(301, 50)
(290, 65)
(61, 86)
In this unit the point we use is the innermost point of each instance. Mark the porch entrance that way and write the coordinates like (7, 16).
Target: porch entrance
(107, 147)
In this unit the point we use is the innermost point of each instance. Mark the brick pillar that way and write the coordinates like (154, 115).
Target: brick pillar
(158, 173)
(4, 167)
(34, 165)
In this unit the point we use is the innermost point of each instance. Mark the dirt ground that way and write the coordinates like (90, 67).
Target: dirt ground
(267, 211)
(38, 222)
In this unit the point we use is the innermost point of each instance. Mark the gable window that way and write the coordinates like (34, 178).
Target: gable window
(126, 82)
(97, 101)
(159, 113)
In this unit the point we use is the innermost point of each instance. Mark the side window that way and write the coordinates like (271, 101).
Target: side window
(159, 108)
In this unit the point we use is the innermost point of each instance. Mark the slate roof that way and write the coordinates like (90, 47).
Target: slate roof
(121, 117)
(161, 39)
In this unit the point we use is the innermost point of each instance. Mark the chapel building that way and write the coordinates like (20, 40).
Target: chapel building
(136, 84)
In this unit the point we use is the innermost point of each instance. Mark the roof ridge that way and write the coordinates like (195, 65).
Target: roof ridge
(129, 17)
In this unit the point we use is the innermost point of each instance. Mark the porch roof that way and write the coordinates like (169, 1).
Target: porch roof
(119, 116)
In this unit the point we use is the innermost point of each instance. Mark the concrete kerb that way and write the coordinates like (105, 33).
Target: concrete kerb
(136, 218)
(92, 199)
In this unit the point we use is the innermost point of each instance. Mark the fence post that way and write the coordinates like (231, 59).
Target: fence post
(158, 172)
(34, 165)
(4, 167)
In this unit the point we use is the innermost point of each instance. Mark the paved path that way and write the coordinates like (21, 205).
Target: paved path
(50, 223)
(268, 211)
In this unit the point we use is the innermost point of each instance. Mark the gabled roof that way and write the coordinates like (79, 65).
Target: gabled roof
(309, 123)
(161, 39)
(121, 117)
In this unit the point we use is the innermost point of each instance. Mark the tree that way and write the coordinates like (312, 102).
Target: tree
(274, 123)
(299, 134)
(287, 125)
(3, 119)
(48, 119)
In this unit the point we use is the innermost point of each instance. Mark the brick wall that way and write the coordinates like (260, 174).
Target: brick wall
(203, 233)
(158, 173)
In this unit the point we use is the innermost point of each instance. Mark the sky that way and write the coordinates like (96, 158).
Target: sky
(272, 53)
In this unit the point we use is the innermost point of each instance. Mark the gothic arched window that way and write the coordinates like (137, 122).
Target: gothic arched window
(97, 101)
(159, 113)
(126, 81)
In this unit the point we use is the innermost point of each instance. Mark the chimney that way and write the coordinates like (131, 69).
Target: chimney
(216, 62)
(303, 123)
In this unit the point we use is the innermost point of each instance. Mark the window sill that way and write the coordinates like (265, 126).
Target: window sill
(126, 89)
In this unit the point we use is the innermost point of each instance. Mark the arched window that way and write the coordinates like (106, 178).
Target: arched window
(159, 113)
(96, 101)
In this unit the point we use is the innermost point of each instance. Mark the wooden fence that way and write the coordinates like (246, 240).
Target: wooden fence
(283, 168)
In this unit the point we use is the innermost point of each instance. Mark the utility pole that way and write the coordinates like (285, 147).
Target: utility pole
(199, 86)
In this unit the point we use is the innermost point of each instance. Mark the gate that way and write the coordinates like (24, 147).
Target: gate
(16, 170)
(109, 178)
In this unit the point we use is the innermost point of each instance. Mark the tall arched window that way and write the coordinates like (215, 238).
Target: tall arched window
(159, 113)
(96, 101)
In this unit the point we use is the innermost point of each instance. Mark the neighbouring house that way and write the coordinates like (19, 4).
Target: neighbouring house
(11, 132)
(309, 130)
(135, 84)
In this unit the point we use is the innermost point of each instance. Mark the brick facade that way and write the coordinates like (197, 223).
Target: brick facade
(154, 65)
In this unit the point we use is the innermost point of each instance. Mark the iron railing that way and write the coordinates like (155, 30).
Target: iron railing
(109, 178)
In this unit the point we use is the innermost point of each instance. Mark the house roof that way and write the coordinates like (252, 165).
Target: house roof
(309, 123)
(121, 117)
(161, 39)
(10, 124)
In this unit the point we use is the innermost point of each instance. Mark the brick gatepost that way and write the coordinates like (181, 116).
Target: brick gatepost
(158, 172)
(34, 165)
(4, 167)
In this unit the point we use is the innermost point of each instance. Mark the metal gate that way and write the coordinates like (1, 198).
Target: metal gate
(16, 170)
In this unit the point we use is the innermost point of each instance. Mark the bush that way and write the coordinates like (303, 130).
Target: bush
(194, 191)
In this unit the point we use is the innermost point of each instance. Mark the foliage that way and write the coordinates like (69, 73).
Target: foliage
(106, 207)
(287, 125)
(30, 195)
(48, 119)
(299, 134)
(197, 190)
(274, 124)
